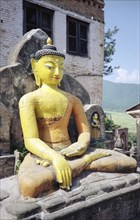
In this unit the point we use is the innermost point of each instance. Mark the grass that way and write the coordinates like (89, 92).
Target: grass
(123, 119)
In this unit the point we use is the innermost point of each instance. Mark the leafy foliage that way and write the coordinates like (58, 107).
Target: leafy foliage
(132, 139)
(21, 151)
(110, 125)
(109, 50)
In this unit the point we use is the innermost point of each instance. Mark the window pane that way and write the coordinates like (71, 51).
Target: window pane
(72, 28)
(30, 27)
(46, 20)
(49, 33)
(31, 16)
(83, 31)
(83, 47)
(37, 17)
(77, 36)
(72, 44)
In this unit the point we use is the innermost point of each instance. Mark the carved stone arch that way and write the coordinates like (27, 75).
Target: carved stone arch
(89, 110)
(123, 134)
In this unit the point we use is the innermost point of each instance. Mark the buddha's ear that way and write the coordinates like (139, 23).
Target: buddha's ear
(33, 64)
(35, 71)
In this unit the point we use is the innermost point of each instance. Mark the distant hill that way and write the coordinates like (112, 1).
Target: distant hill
(120, 96)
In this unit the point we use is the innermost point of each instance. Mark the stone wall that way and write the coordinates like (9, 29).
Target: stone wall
(11, 26)
(7, 164)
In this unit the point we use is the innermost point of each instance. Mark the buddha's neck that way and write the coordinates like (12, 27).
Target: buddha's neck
(50, 87)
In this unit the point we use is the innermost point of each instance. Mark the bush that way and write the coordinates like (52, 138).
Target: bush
(132, 139)
(20, 152)
(110, 125)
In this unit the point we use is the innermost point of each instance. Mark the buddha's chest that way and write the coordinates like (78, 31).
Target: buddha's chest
(51, 106)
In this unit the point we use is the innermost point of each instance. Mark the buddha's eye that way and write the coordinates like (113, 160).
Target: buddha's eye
(61, 67)
(48, 67)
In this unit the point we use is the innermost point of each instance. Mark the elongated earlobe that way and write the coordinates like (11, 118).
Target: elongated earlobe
(35, 72)
(38, 81)
(33, 64)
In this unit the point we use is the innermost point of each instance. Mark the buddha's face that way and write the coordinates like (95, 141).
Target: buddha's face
(49, 69)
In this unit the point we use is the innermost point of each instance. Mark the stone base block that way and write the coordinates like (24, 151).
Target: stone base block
(94, 196)
(4, 148)
(7, 164)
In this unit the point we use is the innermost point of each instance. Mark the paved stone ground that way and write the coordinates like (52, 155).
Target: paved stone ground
(87, 191)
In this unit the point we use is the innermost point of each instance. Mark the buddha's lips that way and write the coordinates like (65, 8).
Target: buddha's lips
(56, 77)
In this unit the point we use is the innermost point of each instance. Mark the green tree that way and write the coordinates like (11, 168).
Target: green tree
(109, 50)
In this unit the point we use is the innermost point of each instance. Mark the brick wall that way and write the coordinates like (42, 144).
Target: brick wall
(88, 8)
(11, 26)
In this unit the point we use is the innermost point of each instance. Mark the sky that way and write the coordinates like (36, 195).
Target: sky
(125, 14)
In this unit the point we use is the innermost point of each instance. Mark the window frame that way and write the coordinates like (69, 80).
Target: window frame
(39, 14)
(77, 37)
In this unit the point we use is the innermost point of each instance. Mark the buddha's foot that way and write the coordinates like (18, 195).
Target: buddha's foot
(42, 162)
(39, 161)
(97, 154)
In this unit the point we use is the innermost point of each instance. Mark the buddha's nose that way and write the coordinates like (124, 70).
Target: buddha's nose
(57, 72)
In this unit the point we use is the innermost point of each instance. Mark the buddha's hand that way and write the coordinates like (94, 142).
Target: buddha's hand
(74, 149)
(63, 172)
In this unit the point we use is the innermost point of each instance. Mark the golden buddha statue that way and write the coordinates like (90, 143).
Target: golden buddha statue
(45, 115)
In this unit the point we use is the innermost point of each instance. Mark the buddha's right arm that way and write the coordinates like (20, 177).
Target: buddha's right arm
(36, 146)
(40, 149)
(30, 130)
(61, 167)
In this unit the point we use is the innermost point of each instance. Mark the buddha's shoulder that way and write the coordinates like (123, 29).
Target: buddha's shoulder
(29, 98)
(72, 98)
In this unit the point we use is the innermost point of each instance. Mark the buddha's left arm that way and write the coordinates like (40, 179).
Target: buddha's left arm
(79, 147)
(81, 123)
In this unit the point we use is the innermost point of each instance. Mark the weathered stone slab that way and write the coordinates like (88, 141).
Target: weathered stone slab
(3, 195)
(28, 44)
(22, 209)
(107, 196)
(4, 123)
(71, 85)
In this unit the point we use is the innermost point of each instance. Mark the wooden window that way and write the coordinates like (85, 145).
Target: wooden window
(77, 37)
(37, 17)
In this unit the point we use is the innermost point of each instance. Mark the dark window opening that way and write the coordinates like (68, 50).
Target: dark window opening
(77, 37)
(37, 17)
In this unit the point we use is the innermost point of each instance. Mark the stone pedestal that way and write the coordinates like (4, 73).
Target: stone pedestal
(97, 196)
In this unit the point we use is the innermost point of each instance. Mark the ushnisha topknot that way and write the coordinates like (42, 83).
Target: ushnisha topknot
(48, 49)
